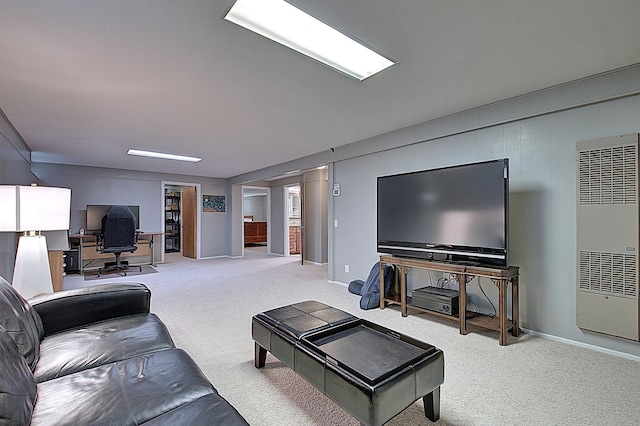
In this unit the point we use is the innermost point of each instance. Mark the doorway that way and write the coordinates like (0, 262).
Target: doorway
(293, 221)
(256, 208)
(180, 218)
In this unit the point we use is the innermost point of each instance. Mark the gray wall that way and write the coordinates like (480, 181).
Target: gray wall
(92, 185)
(314, 216)
(257, 206)
(15, 169)
(213, 230)
(541, 150)
(537, 132)
(277, 224)
(279, 213)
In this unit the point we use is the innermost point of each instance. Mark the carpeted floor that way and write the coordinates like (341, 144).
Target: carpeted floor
(208, 304)
(133, 271)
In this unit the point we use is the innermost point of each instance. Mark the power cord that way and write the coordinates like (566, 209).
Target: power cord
(495, 313)
(477, 310)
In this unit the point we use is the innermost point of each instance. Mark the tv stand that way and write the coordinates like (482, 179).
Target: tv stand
(501, 277)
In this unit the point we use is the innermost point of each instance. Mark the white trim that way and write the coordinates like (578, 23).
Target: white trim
(215, 257)
(583, 345)
(198, 187)
(269, 226)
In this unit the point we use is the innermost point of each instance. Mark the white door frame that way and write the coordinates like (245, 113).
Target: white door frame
(268, 191)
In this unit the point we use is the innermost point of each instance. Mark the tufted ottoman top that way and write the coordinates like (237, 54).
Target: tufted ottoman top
(304, 317)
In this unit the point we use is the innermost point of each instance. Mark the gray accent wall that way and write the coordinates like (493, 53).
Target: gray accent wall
(93, 185)
(538, 133)
(278, 213)
(277, 224)
(314, 213)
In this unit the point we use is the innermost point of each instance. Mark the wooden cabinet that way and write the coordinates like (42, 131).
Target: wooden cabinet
(56, 266)
(255, 232)
(294, 239)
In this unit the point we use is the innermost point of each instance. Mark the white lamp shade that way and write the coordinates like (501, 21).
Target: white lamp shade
(8, 208)
(43, 208)
(37, 208)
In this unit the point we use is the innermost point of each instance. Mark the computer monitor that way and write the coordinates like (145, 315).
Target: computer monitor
(95, 213)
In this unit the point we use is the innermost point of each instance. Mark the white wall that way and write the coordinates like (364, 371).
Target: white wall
(542, 234)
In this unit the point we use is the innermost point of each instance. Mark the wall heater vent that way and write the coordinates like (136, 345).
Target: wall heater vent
(608, 236)
(608, 273)
(608, 175)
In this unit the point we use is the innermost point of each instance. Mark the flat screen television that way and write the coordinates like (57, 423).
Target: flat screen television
(95, 213)
(457, 214)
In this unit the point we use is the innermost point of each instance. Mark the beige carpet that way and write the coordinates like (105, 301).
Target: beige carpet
(208, 304)
(132, 271)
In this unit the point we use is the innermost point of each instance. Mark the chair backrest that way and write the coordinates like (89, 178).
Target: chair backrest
(119, 230)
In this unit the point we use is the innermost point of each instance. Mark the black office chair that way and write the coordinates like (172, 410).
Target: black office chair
(118, 236)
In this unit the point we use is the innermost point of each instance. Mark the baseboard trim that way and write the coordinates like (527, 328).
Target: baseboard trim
(584, 345)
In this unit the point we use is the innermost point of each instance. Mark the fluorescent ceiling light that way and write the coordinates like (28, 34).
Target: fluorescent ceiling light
(163, 155)
(284, 23)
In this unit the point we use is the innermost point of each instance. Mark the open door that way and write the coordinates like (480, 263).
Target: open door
(189, 211)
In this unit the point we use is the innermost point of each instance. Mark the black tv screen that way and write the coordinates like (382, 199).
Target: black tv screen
(457, 213)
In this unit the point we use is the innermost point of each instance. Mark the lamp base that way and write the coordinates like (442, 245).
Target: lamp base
(31, 274)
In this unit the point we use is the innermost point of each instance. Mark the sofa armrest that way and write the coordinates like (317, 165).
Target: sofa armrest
(74, 308)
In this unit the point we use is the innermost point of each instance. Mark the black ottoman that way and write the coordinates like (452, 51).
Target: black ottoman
(372, 372)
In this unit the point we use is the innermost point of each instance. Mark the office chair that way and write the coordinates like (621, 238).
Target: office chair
(118, 236)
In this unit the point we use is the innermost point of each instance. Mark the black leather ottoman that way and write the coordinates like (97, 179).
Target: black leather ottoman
(372, 372)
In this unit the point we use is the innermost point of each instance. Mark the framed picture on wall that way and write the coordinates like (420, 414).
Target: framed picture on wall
(213, 203)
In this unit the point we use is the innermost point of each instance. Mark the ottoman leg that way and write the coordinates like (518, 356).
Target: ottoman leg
(432, 405)
(261, 356)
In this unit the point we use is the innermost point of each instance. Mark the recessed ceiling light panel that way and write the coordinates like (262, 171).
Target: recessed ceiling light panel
(163, 155)
(284, 23)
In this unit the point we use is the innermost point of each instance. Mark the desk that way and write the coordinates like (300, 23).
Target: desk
(89, 258)
(56, 266)
(501, 277)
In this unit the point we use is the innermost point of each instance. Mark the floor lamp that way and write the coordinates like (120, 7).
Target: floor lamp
(33, 209)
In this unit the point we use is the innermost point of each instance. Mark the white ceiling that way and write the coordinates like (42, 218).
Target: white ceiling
(83, 81)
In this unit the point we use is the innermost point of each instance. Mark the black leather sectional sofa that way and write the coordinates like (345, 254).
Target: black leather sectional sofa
(95, 356)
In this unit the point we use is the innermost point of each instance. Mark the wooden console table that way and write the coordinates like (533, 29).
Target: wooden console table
(501, 277)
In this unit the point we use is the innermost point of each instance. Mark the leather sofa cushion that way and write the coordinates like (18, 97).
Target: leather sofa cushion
(17, 386)
(21, 321)
(100, 343)
(205, 411)
(64, 310)
(128, 392)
